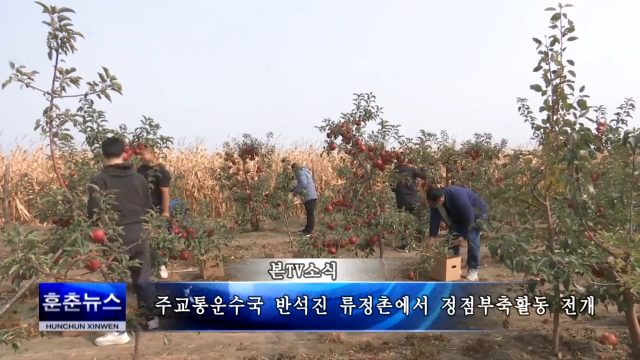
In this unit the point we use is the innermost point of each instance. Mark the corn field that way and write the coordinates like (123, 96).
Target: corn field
(191, 165)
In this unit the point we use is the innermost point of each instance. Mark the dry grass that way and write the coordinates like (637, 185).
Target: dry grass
(193, 165)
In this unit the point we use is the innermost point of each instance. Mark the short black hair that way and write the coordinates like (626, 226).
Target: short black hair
(434, 194)
(112, 148)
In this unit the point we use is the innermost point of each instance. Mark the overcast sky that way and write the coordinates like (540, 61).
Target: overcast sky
(212, 69)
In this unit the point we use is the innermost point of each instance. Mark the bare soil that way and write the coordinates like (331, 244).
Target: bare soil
(526, 338)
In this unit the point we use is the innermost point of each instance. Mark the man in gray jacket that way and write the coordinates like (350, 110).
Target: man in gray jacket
(307, 190)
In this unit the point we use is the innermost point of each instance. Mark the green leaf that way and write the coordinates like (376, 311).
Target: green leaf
(571, 62)
(536, 88)
(582, 104)
(582, 88)
(12, 65)
(537, 68)
(7, 82)
(572, 38)
(566, 281)
(63, 10)
(45, 8)
(555, 18)
(550, 9)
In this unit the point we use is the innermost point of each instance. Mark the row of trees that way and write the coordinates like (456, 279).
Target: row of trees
(570, 201)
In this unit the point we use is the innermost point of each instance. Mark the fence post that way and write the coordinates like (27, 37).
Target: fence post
(6, 193)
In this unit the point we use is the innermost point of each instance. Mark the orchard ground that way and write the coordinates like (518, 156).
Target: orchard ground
(527, 338)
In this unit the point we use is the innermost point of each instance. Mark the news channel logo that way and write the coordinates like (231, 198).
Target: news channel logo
(83, 307)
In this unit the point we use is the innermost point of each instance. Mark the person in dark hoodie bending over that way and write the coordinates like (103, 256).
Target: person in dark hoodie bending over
(465, 213)
(407, 194)
(306, 188)
(132, 201)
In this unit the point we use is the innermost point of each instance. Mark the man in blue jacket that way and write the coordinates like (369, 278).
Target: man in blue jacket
(464, 212)
(307, 190)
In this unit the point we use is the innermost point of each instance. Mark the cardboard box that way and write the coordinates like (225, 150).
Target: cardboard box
(212, 270)
(286, 255)
(178, 275)
(448, 269)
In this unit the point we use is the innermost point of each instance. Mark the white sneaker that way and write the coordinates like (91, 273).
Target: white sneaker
(112, 338)
(163, 272)
(153, 323)
(472, 275)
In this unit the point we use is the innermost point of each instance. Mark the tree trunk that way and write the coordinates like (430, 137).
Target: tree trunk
(632, 321)
(555, 340)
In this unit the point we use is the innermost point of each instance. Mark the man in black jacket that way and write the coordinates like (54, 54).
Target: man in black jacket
(132, 201)
(159, 183)
(407, 195)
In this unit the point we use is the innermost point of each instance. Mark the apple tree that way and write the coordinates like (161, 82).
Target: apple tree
(568, 219)
(253, 176)
(360, 211)
(76, 245)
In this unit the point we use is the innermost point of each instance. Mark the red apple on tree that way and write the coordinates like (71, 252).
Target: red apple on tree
(93, 265)
(98, 236)
(185, 255)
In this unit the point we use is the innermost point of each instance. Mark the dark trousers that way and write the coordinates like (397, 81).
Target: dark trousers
(473, 245)
(418, 212)
(140, 249)
(310, 209)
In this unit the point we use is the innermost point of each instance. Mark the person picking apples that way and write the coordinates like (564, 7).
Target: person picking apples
(465, 213)
(306, 188)
(408, 197)
(159, 182)
(132, 201)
